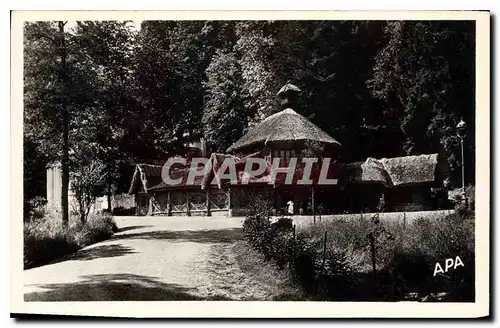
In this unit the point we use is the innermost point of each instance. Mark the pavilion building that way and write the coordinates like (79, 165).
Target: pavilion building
(403, 183)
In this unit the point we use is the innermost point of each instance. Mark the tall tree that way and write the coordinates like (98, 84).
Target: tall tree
(425, 77)
(254, 46)
(170, 63)
(329, 60)
(337, 61)
(106, 50)
(64, 108)
(47, 94)
(63, 53)
(224, 117)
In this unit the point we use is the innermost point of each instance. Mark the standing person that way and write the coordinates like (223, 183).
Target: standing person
(290, 207)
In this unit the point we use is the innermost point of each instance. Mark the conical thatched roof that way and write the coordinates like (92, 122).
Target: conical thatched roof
(283, 126)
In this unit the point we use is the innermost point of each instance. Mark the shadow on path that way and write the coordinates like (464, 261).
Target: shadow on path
(104, 251)
(197, 236)
(115, 287)
(132, 228)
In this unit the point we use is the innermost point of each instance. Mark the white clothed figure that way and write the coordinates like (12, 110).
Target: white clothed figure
(290, 207)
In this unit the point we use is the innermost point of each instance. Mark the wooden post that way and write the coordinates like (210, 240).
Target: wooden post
(404, 220)
(294, 249)
(137, 204)
(273, 197)
(229, 213)
(169, 204)
(108, 196)
(313, 205)
(374, 261)
(188, 204)
(207, 194)
(324, 253)
(150, 209)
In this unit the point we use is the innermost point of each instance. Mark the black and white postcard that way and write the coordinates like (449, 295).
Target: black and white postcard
(251, 164)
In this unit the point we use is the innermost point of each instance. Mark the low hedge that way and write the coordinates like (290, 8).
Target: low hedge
(333, 279)
(46, 240)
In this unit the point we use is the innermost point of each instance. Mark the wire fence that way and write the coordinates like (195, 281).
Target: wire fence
(405, 218)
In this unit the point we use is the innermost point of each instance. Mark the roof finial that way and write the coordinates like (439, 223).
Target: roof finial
(289, 95)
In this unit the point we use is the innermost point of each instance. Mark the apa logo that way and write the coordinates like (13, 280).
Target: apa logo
(447, 265)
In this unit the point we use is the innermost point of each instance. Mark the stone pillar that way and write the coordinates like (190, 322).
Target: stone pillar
(50, 186)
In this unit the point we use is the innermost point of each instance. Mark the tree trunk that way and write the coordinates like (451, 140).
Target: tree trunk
(65, 128)
(83, 218)
(109, 196)
(313, 205)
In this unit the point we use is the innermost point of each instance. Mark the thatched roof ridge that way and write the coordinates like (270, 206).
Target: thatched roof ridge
(182, 173)
(216, 159)
(369, 171)
(393, 172)
(409, 170)
(145, 175)
(283, 126)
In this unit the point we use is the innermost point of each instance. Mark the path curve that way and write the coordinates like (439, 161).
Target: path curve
(150, 258)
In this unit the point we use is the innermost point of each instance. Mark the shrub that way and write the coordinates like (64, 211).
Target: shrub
(303, 256)
(96, 229)
(260, 205)
(35, 208)
(120, 210)
(460, 205)
(253, 226)
(280, 245)
(405, 258)
(429, 242)
(45, 239)
(338, 279)
(283, 224)
(304, 266)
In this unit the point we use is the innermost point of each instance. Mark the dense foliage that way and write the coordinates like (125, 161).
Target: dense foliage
(128, 95)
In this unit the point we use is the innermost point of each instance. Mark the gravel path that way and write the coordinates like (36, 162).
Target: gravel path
(151, 258)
